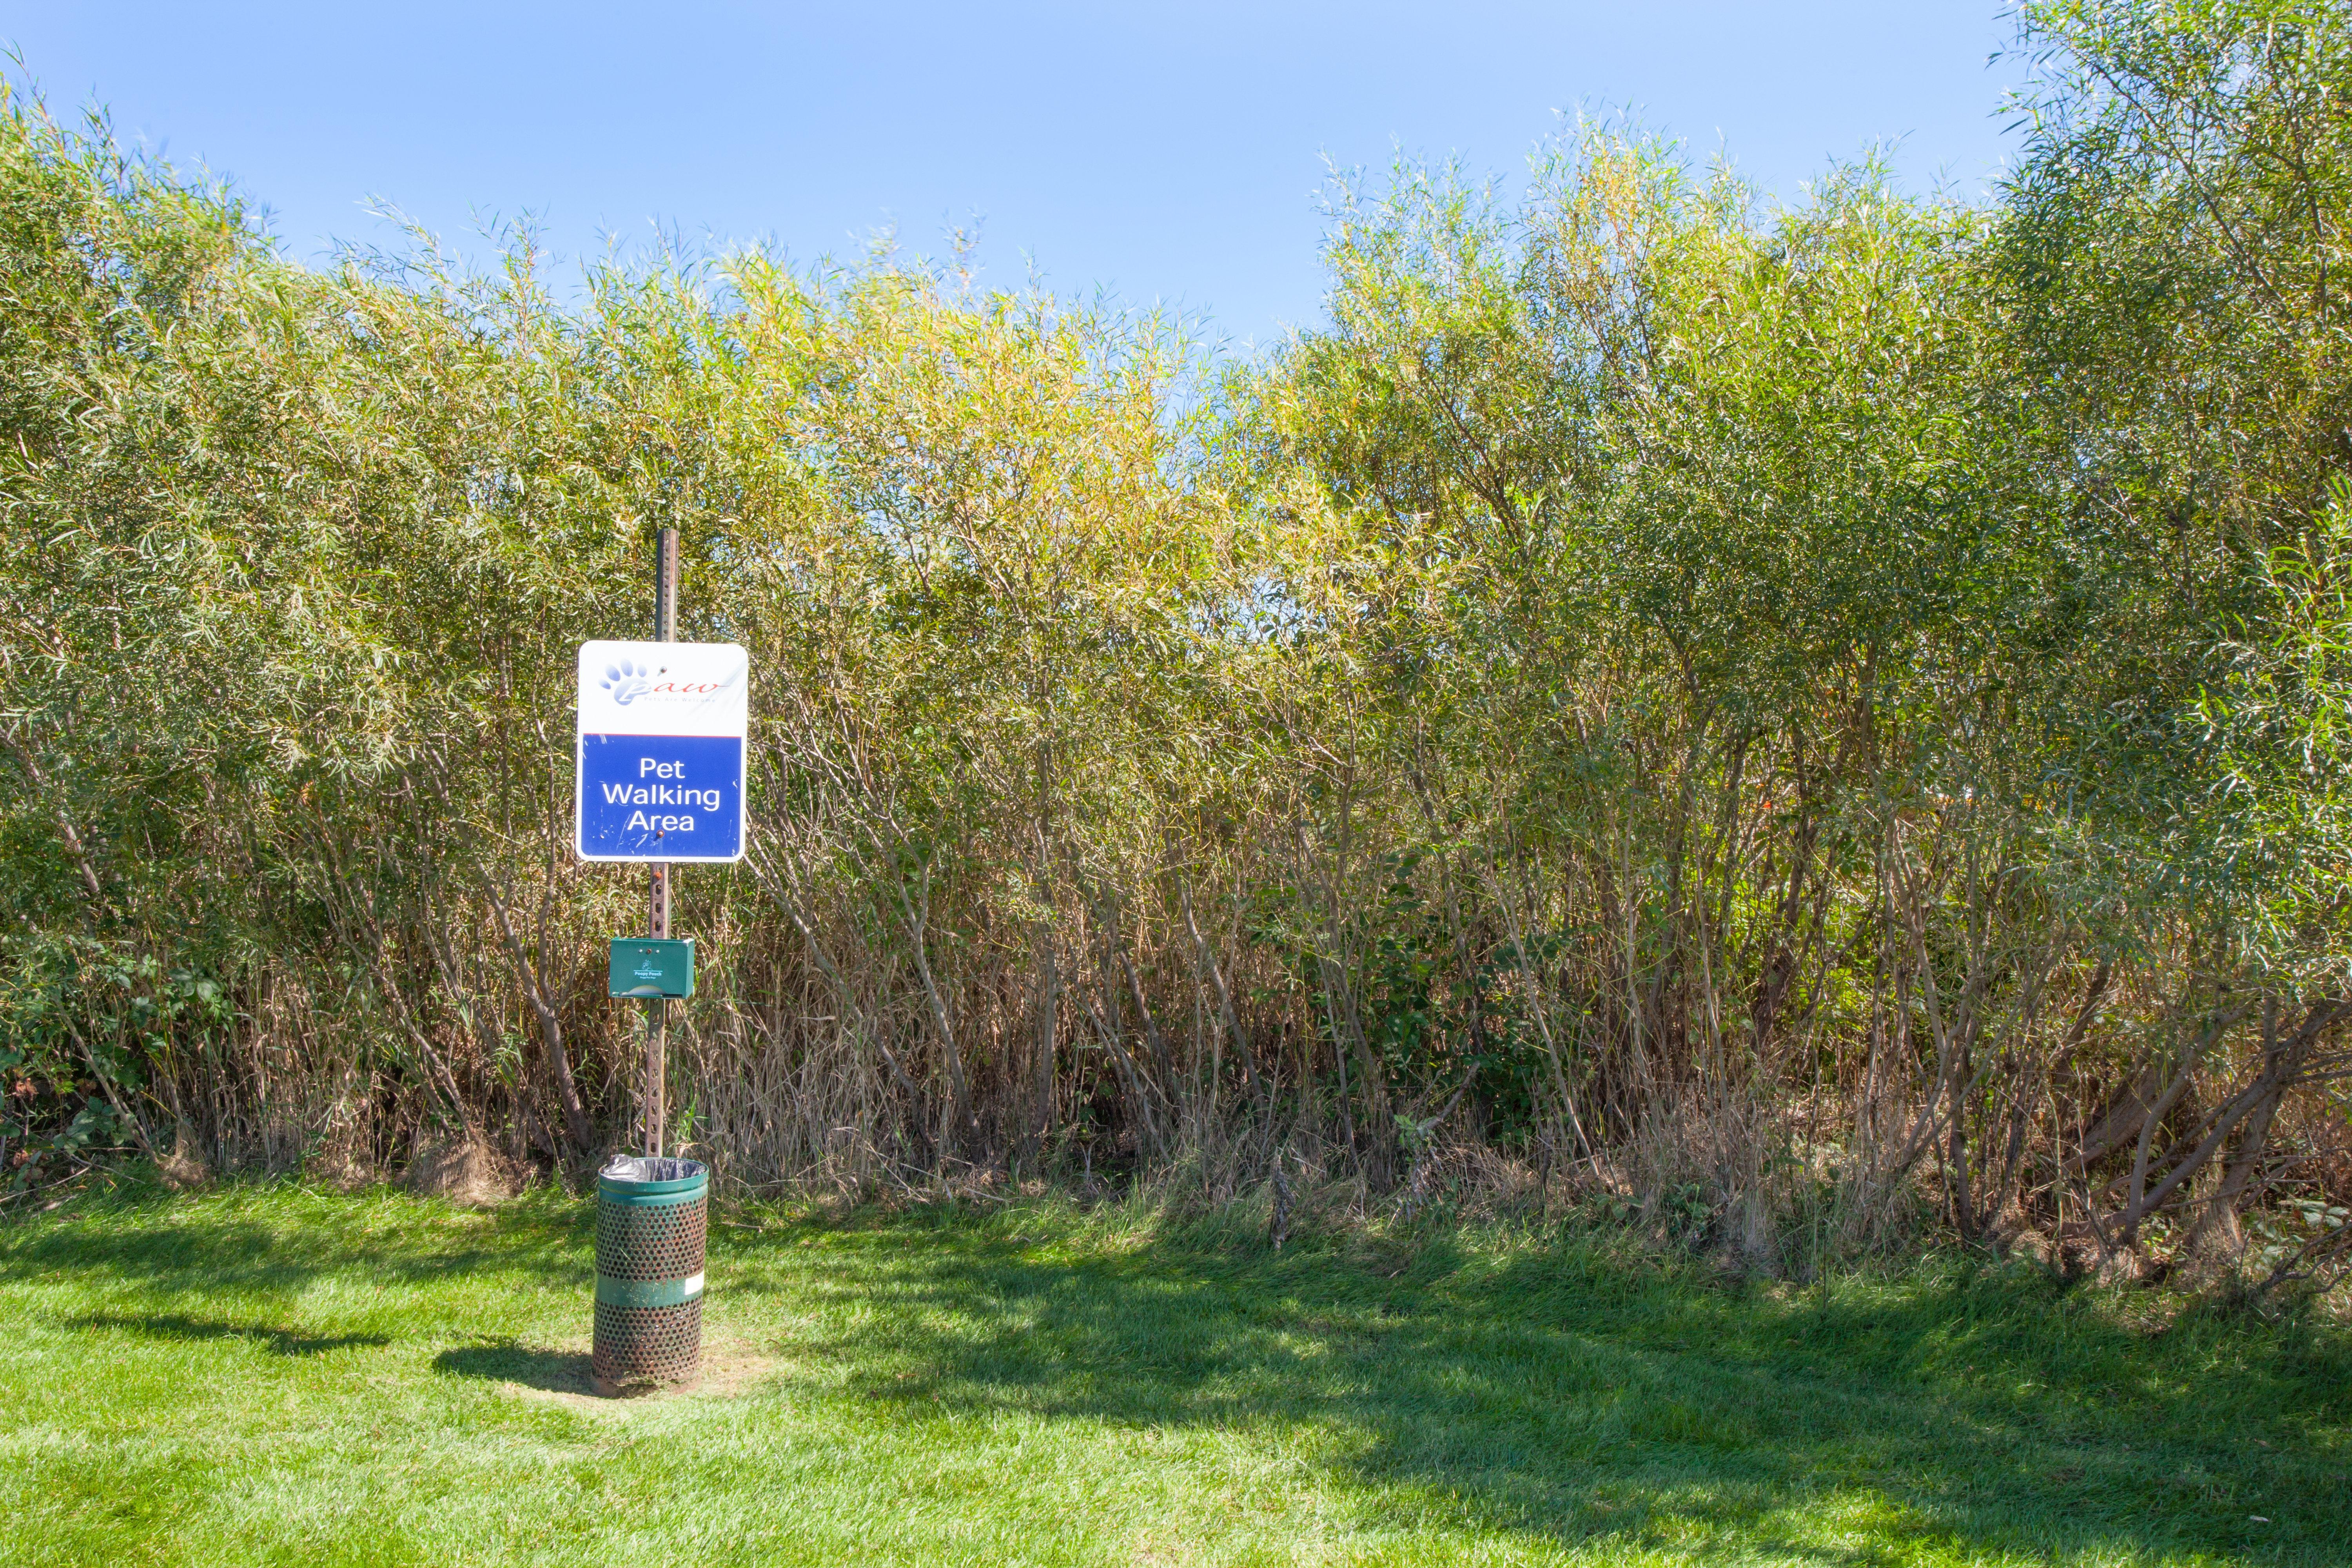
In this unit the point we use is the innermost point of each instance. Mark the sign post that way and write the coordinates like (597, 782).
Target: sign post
(660, 782)
(657, 1098)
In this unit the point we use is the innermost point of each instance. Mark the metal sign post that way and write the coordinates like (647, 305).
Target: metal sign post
(660, 783)
(660, 777)
(657, 894)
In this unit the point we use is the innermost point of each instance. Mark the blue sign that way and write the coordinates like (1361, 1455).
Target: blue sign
(661, 729)
(661, 797)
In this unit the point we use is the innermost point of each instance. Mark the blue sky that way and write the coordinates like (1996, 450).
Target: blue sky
(1166, 153)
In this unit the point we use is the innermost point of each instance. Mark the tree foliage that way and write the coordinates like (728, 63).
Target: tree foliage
(1806, 719)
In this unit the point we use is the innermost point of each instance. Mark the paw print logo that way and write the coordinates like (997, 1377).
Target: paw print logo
(628, 681)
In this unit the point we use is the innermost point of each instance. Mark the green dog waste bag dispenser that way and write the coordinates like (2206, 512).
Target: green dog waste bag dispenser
(652, 1215)
(651, 967)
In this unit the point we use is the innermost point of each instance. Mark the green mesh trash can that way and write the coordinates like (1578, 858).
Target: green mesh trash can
(651, 1216)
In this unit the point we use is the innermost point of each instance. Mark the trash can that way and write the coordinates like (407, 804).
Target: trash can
(651, 1216)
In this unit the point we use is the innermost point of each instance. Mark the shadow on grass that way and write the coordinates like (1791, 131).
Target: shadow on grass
(277, 1342)
(1608, 1403)
(507, 1361)
(270, 1241)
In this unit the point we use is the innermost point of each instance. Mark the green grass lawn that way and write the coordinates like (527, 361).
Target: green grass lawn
(285, 1374)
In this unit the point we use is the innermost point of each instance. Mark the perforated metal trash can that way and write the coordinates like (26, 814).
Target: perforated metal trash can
(651, 1218)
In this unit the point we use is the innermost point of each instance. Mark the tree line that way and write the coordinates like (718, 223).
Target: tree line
(1810, 723)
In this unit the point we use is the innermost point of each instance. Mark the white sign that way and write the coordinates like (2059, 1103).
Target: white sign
(660, 773)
